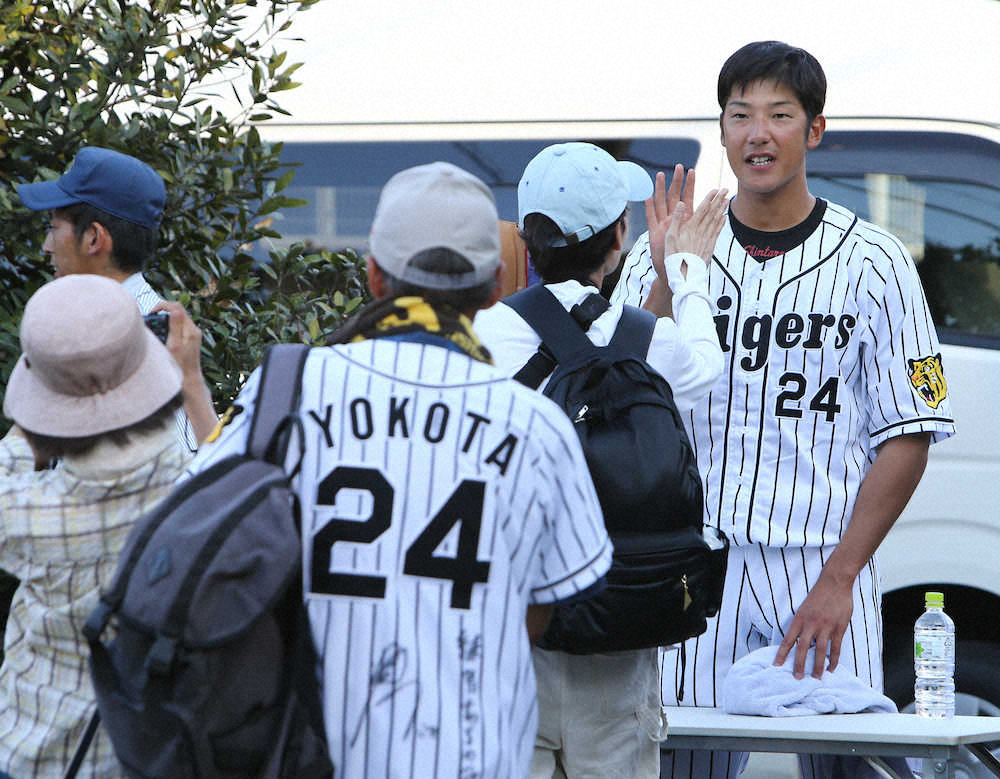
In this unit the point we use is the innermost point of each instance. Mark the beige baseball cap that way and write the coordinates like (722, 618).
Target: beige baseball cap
(89, 363)
(436, 206)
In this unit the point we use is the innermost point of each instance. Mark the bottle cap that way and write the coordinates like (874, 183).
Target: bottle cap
(934, 599)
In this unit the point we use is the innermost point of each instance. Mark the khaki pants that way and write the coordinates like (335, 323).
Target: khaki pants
(594, 716)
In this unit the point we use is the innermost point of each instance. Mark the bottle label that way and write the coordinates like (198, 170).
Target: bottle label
(930, 646)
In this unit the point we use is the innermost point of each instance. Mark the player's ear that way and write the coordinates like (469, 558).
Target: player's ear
(376, 279)
(816, 129)
(96, 240)
(620, 233)
(497, 288)
(722, 131)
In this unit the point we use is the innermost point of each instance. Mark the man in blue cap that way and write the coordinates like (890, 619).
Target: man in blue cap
(105, 211)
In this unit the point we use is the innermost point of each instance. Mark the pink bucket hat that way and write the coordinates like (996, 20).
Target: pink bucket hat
(89, 363)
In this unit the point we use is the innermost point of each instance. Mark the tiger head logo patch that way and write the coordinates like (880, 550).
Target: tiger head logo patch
(927, 378)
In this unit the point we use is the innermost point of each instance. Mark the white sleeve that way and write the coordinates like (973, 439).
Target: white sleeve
(692, 282)
(510, 339)
(902, 358)
(686, 352)
(578, 551)
(232, 431)
(637, 275)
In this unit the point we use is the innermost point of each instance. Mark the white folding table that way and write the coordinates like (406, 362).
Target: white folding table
(869, 736)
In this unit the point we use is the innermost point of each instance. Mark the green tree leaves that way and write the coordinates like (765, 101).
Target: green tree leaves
(176, 83)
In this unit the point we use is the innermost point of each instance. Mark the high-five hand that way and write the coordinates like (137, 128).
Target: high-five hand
(697, 233)
(660, 209)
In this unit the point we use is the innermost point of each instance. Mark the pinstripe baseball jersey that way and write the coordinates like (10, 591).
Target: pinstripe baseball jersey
(830, 350)
(146, 297)
(439, 499)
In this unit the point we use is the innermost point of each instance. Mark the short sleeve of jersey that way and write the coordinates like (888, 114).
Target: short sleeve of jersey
(577, 550)
(905, 373)
(232, 431)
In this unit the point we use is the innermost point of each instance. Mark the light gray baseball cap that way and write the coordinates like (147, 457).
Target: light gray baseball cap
(580, 187)
(436, 206)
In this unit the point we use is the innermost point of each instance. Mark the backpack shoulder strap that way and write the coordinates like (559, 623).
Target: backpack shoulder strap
(557, 328)
(277, 398)
(83, 746)
(634, 333)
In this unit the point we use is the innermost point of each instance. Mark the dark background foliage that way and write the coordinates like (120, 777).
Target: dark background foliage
(179, 84)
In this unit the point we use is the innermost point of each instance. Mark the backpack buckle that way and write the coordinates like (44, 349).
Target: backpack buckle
(97, 621)
(161, 655)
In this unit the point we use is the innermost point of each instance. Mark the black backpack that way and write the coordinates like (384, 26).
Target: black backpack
(212, 674)
(668, 570)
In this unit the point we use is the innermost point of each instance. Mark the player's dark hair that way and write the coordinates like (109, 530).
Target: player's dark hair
(48, 448)
(562, 263)
(131, 244)
(442, 261)
(775, 61)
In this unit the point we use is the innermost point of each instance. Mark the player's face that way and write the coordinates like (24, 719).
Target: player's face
(64, 249)
(766, 134)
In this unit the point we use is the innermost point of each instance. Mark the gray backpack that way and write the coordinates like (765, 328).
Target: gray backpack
(212, 673)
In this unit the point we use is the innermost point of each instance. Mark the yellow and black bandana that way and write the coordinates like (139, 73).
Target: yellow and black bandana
(230, 414)
(413, 315)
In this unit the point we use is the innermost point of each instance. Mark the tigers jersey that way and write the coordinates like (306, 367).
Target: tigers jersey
(439, 499)
(830, 350)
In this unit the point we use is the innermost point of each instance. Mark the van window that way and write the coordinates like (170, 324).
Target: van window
(342, 181)
(939, 194)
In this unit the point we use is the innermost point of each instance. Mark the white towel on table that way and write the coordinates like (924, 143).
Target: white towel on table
(755, 686)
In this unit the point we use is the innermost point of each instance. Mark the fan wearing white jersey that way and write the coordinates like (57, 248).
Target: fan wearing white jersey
(442, 504)
(816, 435)
(600, 714)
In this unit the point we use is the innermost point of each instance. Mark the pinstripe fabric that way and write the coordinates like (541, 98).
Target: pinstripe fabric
(415, 682)
(817, 343)
(60, 533)
(146, 297)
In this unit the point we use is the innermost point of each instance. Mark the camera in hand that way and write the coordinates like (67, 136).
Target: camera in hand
(159, 323)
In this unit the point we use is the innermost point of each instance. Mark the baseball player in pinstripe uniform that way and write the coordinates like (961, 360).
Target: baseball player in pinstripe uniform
(442, 504)
(105, 213)
(815, 436)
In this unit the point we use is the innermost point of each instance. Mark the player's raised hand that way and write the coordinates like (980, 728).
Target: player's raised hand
(661, 207)
(697, 233)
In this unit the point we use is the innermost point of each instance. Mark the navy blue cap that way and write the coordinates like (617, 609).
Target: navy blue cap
(109, 180)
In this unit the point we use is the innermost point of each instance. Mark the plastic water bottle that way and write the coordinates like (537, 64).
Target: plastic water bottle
(934, 660)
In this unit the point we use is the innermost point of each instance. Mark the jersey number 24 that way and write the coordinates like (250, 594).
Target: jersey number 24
(465, 506)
